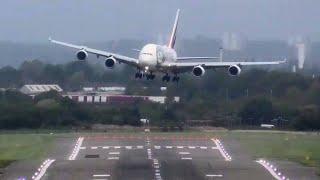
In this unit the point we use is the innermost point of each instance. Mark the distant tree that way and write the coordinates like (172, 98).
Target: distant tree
(256, 111)
(308, 118)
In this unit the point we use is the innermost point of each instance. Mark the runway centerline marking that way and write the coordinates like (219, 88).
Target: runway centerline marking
(186, 158)
(76, 149)
(113, 158)
(184, 153)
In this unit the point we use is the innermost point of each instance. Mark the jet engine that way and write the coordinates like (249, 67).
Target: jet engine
(198, 71)
(110, 62)
(82, 55)
(234, 70)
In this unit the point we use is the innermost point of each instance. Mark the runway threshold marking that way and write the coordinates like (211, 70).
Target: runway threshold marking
(76, 149)
(42, 170)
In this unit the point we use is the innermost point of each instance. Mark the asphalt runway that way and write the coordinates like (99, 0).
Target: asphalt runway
(150, 157)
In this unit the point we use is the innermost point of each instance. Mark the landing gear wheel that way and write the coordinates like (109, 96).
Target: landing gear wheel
(150, 76)
(138, 75)
(175, 79)
(166, 78)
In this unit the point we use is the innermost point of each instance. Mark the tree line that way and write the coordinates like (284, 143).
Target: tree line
(288, 100)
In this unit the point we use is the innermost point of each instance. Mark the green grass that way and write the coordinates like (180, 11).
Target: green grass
(15, 147)
(301, 148)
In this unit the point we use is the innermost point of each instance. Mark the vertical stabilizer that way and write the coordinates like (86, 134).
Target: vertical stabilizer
(173, 36)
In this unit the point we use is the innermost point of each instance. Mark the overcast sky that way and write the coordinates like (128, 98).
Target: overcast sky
(101, 20)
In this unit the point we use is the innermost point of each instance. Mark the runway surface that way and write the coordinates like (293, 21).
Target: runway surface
(150, 157)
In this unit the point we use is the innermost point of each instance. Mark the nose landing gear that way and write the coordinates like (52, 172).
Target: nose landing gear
(150, 76)
(175, 78)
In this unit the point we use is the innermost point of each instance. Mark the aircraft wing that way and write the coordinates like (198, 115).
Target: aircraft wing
(181, 66)
(118, 57)
(196, 58)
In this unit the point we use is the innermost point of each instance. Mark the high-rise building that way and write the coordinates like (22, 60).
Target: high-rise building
(233, 41)
(300, 49)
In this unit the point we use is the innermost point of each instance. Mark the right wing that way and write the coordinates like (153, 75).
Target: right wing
(118, 57)
(181, 66)
(196, 58)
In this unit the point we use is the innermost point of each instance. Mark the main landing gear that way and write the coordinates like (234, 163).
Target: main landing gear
(166, 78)
(148, 76)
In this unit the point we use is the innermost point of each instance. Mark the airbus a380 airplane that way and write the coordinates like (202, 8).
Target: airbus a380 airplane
(155, 58)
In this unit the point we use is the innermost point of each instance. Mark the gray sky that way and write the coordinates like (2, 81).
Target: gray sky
(100, 20)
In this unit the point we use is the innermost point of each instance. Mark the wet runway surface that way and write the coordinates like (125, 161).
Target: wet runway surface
(147, 157)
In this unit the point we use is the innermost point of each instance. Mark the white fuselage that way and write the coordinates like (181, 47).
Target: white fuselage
(152, 56)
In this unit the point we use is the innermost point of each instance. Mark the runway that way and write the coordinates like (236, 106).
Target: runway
(113, 157)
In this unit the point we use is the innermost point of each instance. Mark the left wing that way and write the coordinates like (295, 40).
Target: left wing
(118, 57)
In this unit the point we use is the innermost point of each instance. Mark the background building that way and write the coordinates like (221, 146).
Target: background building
(34, 89)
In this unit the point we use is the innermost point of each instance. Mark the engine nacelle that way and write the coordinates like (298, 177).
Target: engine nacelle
(110, 62)
(234, 70)
(82, 55)
(198, 71)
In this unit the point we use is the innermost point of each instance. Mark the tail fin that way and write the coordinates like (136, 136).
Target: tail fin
(173, 36)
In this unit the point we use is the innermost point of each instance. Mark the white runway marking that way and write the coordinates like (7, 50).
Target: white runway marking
(113, 158)
(157, 147)
(41, 171)
(214, 175)
(169, 147)
(180, 147)
(272, 170)
(214, 148)
(117, 147)
(184, 153)
(83, 148)
(76, 149)
(128, 147)
(191, 147)
(105, 147)
(203, 147)
(186, 158)
(139, 147)
(101, 175)
(114, 153)
(94, 147)
(221, 149)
